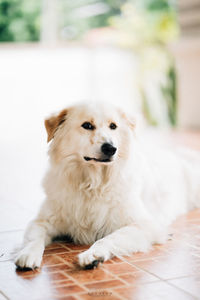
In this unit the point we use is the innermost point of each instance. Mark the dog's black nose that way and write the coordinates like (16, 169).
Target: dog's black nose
(108, 149)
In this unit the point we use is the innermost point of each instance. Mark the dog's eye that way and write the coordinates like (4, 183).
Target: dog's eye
(88, 126)
(113, 126)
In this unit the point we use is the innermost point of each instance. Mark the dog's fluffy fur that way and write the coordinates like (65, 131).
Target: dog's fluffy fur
(117, 207)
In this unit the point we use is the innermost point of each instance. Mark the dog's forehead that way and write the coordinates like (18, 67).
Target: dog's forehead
(97, 113)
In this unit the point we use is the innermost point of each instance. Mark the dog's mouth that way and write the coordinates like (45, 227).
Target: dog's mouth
(105, 160)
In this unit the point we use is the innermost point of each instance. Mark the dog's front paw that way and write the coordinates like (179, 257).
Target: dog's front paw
(91, 258)
(88, 260)
(29, 258)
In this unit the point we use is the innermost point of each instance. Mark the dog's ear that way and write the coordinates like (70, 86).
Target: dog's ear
(53, 123)
(130, 120)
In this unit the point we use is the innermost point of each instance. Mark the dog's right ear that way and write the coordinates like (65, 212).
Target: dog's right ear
(53, 123)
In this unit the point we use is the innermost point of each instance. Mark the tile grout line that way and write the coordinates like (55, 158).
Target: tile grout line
(68, 277)
(74, 280)
(87, 290)
(115, 276)
(174, 286)
(166, 281)
(63, 261)
(4, 295)
(146, 271)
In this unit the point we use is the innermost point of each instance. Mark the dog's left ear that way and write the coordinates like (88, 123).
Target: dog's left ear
(130, 120)
(53, 123)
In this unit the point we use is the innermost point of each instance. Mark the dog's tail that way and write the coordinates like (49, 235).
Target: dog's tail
(191, 169)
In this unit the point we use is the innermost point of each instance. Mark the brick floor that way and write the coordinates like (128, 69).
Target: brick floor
(170, 271)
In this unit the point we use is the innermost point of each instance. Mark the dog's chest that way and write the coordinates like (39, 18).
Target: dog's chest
(88, 219)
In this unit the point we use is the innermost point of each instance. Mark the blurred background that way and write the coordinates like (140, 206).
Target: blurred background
(142, 54)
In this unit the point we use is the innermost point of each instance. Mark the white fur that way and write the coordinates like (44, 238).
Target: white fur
(119, 207)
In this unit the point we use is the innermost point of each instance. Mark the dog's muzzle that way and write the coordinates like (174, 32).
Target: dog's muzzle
(107, 150)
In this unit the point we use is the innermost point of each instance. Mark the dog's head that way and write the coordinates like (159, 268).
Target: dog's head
(90, 133)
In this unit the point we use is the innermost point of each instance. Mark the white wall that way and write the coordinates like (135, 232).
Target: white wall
(187, 56)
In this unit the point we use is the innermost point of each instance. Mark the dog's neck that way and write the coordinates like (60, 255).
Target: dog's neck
(87, 177)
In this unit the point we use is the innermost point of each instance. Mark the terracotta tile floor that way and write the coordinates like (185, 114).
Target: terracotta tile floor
(170, 271)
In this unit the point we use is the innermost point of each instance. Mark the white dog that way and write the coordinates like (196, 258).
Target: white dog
(105, 190)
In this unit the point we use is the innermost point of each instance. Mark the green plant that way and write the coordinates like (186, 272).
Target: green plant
(19, 20)
(77, 17)
(147, 27)
(169, 93)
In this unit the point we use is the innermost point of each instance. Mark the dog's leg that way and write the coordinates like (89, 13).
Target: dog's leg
(35, 239)
(124, 241)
